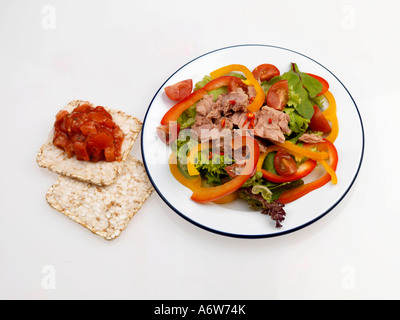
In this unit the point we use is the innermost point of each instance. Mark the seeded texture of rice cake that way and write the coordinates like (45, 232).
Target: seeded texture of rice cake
(101, 173)
(106, 211)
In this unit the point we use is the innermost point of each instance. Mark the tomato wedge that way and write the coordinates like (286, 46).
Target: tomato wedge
(265, 72)
(180, 90)
(318, 121)
(325, 84)
(203, 195)
(278, 95)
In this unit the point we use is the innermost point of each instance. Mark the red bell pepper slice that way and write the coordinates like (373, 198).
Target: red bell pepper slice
(294, 194)
(302, 171)
(218, 83)
(203, 195)
(173, 114)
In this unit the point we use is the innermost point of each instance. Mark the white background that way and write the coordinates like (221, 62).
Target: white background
(118, 53)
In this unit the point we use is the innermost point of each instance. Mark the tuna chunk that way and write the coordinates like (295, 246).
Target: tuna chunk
(272, 124)
(311, 138)
(232, 102)
(209, 120)
(230, 110)
(205, 105)
(269, 123)
(239, 119)
(252, 92)
(214, 115)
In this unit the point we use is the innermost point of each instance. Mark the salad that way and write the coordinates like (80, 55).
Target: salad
(252, 135)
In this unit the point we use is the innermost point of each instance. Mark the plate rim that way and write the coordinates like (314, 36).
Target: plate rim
(255, 236)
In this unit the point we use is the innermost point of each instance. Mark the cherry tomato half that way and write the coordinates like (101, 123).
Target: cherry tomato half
(284, 164)
(180, 90)
(278, 95)
(265, 72)
(318, 121)
(325, 84)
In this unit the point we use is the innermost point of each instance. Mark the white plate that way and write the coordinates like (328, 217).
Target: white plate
(236, 219)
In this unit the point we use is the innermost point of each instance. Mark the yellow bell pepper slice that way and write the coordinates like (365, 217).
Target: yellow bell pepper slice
(317, 156)
(331, 115)
(191, 160)
(329, 170)
(260, 94)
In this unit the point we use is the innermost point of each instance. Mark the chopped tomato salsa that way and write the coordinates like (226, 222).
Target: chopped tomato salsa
(89, 133)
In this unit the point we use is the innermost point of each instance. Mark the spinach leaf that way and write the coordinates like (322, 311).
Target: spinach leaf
(306, 89)
(312, 85)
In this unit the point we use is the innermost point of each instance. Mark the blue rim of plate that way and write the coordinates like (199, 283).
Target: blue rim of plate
(258, 236)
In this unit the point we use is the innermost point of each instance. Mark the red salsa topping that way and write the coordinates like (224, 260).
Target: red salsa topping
(89, 133)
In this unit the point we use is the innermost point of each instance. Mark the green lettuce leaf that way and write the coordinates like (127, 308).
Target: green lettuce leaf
(188, 117)
(255, 180)
(294, 98)
(213, 170)
(297, 123)
(263, 191)
(202, 83)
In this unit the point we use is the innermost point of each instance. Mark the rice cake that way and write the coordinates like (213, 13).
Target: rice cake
(106, 211)
(101, 173)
